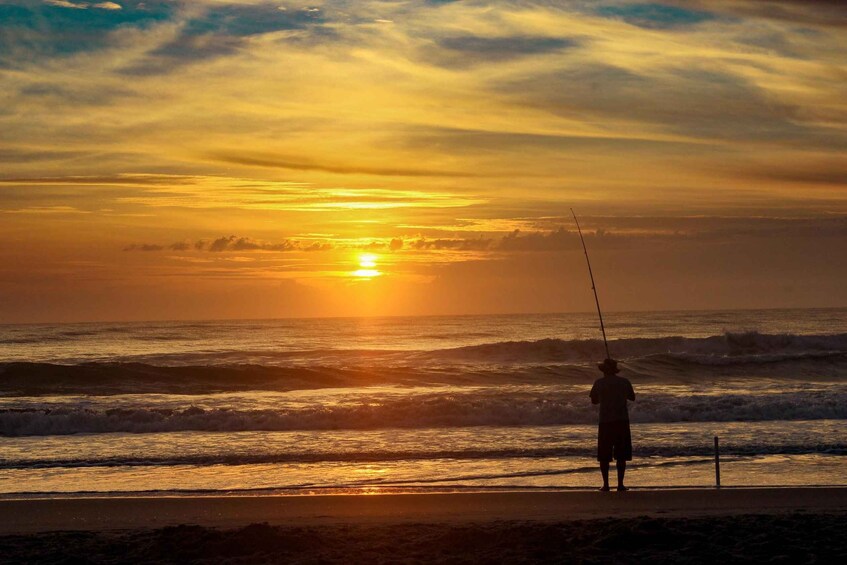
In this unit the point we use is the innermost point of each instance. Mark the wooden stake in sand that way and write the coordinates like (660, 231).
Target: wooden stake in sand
(717, 464)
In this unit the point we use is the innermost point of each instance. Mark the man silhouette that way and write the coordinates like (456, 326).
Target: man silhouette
(613, 437)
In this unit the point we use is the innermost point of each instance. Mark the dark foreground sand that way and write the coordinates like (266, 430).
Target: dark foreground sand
(688, 526)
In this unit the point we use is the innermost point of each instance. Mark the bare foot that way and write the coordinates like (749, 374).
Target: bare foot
(622, 488)
(604, 489)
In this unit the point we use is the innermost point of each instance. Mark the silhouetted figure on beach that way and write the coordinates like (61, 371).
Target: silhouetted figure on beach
(614, 441)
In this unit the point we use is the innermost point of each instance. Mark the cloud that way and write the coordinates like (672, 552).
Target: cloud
(461, 244)
(294, 163)
(55, 210)
(539, 241)
(195, 191)
(821, 172)
(51, 94)
(470, 141)
(231, 243)
(34, 32)
(83, 5)
(318, 246)
(696, 101)
(144, 247)
(466, 50)
(608, 232)
(12, 155)
(221, 244)
(204, 30)
(514, 241)
(92, 180)
(818, 13)
(67, 4)
(219, 30)
(185, 49)
(605, 233)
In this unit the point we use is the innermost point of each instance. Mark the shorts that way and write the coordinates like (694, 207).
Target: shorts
(614, 441)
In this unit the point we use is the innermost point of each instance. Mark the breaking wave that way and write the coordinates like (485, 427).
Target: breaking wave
(424, 411)
(666, 359)
(729, 348)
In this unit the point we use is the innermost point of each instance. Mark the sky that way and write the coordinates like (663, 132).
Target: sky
(212, 159)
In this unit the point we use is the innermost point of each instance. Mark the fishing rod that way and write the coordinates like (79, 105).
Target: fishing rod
(593, 286)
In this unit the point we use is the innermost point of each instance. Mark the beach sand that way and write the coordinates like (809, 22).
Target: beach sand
(791, 525)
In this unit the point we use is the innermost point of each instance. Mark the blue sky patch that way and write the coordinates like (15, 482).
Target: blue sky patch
(222, 30)
(244, 20)
(34, 30)
(657, 16)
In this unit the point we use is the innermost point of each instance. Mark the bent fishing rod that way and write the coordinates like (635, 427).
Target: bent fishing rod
(593, 286)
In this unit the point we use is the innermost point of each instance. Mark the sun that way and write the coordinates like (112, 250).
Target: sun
(367, 260)
(367, 266)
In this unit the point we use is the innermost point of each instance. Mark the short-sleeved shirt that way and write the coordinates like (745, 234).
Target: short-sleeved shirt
(612, 392)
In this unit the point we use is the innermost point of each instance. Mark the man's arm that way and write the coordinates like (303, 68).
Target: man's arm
(630, 395)
(594, 394)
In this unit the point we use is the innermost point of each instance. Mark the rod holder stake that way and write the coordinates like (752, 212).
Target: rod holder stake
(717, 464)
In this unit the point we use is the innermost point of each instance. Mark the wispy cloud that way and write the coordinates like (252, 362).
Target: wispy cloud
(45, 210)
(93, 180)
(467, 50)
(299, 164)
(67, 4)
(84, 5)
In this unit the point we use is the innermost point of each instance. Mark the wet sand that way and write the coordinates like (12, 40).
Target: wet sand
(791, 525)
(47, 514)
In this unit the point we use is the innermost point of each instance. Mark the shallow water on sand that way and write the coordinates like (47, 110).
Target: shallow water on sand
(680, 454)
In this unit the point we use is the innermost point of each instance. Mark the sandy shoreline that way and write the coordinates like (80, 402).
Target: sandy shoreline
(785, 525)
(780, 525)
(32, 515)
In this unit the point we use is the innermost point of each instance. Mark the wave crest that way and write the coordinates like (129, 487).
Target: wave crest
(665, 359)
(425, 411)
(742, 347)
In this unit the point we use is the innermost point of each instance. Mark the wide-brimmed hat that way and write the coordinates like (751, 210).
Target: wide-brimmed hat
(609, 366)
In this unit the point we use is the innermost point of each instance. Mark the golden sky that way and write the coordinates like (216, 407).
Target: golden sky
(228, 159)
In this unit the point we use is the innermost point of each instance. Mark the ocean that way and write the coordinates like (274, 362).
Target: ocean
(447, 403)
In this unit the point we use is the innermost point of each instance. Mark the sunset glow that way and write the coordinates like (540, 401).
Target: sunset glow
(217, 159)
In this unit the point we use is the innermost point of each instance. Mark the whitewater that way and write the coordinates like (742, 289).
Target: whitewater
(444, 403)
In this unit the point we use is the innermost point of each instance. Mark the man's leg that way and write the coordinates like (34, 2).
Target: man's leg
(620, 465)
(604, 470)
